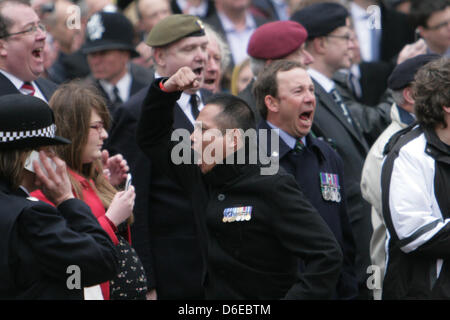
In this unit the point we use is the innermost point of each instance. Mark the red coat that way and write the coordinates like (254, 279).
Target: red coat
(91, 198)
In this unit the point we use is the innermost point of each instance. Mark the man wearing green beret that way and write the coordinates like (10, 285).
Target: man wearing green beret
(164, 229)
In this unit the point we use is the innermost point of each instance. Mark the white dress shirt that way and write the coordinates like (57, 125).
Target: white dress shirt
(238, 39)
(184, 103)
(123, 86)
(18, 84)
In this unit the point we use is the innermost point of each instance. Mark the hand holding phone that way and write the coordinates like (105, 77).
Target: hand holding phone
(128, 181)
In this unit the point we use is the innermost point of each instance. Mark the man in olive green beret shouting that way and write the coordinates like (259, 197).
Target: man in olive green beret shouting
(164, 233)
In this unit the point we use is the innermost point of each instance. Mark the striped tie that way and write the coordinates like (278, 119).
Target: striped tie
(27, 88)
(299, 145)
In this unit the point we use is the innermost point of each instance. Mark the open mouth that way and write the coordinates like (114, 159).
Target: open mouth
(37, 53)
(198, 71)
(209, 81)
(306, 117)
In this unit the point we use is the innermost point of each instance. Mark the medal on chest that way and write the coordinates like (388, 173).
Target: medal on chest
(237, 214)
(329, 186)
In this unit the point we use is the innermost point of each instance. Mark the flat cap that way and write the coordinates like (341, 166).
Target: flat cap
(275, 40)
(174, 28)
(320, 19)
(403, 74)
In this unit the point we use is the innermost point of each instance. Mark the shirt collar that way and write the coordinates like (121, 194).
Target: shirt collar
(123, 85)
(228, 25)
(14, 80)
(323, 80)
(357, 11)
(286, 137)
(201, 10)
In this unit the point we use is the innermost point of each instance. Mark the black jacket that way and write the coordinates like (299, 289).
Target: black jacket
(372, 119)
(140, 77)
(306, 166)
(38, 243)
(331, 125)
(47, 87)
(256, 258)
(163, 233)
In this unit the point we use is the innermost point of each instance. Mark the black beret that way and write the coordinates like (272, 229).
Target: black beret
(276, 40)
(403, 74)
(26, 122)
(320, 19)
(174, 28)
(109, 31)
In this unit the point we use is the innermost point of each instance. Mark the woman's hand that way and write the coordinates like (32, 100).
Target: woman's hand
(121, 206)
(55, 185)
(115, 168)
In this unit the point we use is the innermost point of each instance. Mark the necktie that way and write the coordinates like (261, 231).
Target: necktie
(299, 145)
(194, 105)
(354, 85)
(27, 88)
(117, 98)
(338, 99)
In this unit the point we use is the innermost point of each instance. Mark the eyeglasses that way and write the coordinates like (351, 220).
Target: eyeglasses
(347, 37)
(31, 29)
(440, 25)
(99, 126)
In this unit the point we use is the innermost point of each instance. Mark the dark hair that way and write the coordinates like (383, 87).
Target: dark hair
(236, 113)
(431, 92)
(266, 84)
(421, 10)
(6, 23)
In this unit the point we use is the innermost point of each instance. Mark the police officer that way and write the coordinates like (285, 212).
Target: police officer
(39, 242)
(256, 225)
(109, 48)
(285, 95)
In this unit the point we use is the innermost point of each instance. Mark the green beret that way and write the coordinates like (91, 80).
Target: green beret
(173, 28)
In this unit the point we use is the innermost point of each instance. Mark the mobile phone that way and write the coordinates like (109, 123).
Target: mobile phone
(128, 181)
(34, 155)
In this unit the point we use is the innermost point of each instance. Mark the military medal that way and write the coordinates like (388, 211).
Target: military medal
(329, 185)
(237, 214)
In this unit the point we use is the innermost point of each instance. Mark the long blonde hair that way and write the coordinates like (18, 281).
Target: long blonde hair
(72, 105)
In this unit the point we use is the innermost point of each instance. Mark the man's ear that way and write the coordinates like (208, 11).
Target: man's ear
(446, 109)
(408, 95)
(233, 139)
(159, 56)
(420, 31)
(271, 103)
(319, 44)
(3, 48)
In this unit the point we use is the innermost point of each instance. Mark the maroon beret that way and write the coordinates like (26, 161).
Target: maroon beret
(276, 40)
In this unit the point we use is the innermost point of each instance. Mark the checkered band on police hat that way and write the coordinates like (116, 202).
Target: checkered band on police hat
(7, 136)
(26, 122)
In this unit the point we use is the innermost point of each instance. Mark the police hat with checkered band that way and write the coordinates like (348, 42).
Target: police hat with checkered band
(109, 31)
(26, 122)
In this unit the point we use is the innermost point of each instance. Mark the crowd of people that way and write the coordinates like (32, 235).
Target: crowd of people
(137, 140)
